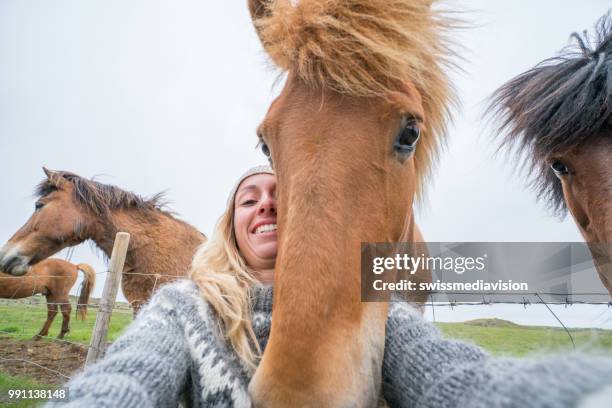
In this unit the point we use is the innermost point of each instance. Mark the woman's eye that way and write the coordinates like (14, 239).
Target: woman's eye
(249, 202)
(559, 168)
(406, 140)
(38, 206)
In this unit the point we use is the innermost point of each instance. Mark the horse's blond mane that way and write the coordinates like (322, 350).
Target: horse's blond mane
(366, 48)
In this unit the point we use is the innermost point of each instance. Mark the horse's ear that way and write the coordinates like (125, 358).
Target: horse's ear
(48, 172)
(55, 178)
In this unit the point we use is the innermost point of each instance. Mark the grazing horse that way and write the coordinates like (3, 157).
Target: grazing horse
(352, 137)
(53, 278)
(71, 209)
(558, 115)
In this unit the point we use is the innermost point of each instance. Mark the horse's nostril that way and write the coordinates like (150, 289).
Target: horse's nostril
(8, 265)
(14, 266)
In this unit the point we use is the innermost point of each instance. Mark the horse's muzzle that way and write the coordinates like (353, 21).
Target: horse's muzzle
(13, 263)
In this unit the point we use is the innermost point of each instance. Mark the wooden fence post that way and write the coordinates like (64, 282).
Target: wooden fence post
(97, 346)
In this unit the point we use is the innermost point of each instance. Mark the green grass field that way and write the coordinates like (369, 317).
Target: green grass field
(25, 319)
(501, 337)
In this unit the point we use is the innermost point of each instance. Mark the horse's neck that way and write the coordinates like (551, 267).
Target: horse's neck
(123, 221)
(159, 243)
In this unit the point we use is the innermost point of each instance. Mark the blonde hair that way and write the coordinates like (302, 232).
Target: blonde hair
(224, 279)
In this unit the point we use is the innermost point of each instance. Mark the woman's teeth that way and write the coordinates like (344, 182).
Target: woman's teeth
(265, 228)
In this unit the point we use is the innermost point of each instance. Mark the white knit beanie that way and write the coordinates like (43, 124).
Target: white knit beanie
(264, 169)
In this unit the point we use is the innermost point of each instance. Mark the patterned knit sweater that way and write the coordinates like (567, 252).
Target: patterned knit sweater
(173, 351)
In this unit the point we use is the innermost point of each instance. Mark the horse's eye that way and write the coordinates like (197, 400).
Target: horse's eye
(265, 149)
(38, 206)
(559, 168)
(406, 140)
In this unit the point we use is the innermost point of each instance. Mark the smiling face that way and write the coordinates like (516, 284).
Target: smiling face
(255, 221)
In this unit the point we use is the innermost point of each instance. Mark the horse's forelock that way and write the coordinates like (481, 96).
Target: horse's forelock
(559, 104)
(44, 188)
(367, 48)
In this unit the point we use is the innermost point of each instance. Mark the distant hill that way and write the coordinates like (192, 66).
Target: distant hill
(501, 323)
(491, 323)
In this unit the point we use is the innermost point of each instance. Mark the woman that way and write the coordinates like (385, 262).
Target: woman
(200, 339)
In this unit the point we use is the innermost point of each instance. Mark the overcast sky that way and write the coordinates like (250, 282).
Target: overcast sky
(160, 95)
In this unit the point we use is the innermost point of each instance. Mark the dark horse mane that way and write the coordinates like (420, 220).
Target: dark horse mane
(101, 198)
(559, 104)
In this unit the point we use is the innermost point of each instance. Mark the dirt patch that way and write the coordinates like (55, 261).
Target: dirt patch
(48, 362)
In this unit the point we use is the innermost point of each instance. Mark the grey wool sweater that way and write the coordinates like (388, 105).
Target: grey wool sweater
(174, 352)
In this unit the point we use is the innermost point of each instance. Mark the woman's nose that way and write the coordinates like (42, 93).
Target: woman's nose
(267, 205)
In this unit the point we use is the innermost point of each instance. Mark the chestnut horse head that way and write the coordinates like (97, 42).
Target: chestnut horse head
(559, 116)
(66, 212)
(352, 137)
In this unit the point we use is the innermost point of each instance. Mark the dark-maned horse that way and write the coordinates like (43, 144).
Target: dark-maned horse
(71, 209)
(352, 137)
(53, 278)
(559, 115)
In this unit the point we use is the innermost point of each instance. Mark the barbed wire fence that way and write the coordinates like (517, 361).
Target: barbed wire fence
(20, 358)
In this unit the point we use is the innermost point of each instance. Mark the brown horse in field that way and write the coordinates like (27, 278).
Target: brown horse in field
(71, 209)
(53, 278)
(559, 116)
(352, 137)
